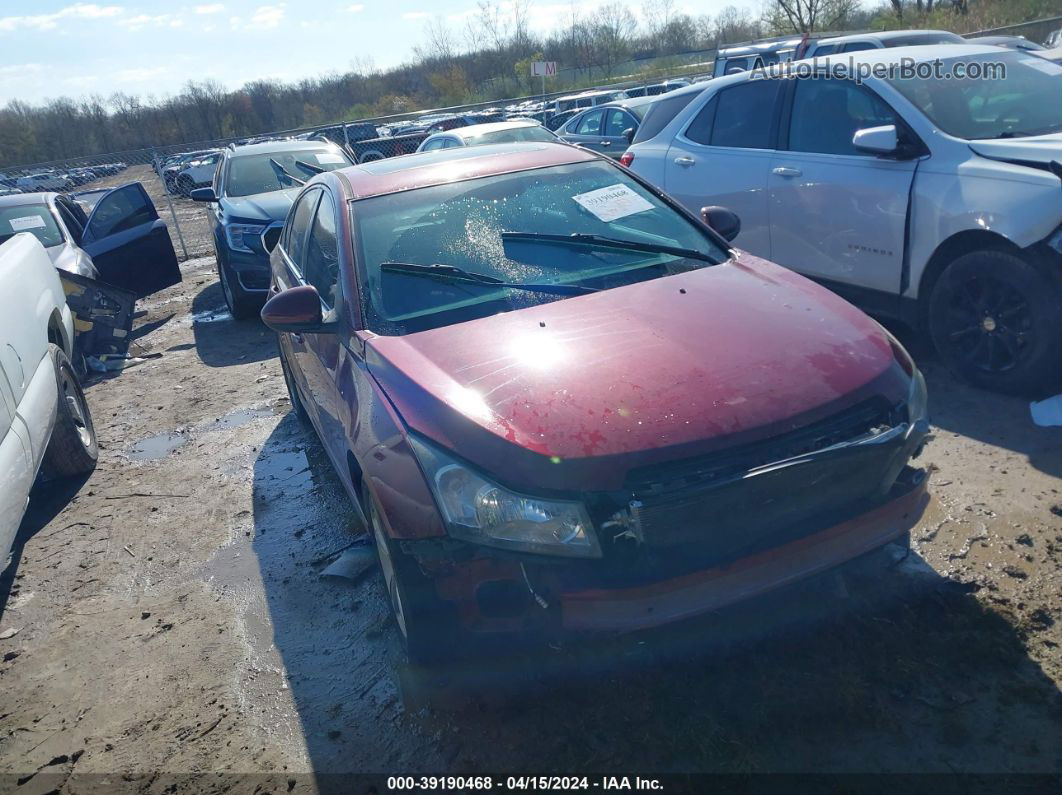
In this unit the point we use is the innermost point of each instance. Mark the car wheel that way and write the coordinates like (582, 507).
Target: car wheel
(185, 186)
(242, 305)
(994, 320)
(73, 449)
(293, 392)
(426, 623)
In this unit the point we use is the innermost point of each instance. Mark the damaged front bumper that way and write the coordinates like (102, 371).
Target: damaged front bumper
(699, 550)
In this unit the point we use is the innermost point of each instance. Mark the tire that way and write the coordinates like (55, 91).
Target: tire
(994, 319)
(73, 449)
(242, 304)
(293, 394)
(426, 623)
(185, 186)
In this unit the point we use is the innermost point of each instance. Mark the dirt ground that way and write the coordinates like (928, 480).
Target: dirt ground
(171, 617)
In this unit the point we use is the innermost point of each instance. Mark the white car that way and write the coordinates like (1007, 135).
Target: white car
(44, 418)
(933, 200)
(501, 132)
(882, 40)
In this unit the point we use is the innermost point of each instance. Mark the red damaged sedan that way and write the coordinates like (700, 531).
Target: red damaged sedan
(562, 403)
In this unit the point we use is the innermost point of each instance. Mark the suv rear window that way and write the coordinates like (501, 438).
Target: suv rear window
(660, 113)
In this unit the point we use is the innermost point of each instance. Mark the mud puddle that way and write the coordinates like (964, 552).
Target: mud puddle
(159, 446)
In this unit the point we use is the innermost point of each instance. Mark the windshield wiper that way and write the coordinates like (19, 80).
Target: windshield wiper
(282, 170)
(610, 242)
(309, 167)
(451, 273)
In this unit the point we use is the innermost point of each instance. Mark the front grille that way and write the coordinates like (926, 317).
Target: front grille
(271, 236)
(693, 514)
(690, 472)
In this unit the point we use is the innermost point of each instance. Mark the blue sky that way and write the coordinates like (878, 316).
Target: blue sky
(51, 48)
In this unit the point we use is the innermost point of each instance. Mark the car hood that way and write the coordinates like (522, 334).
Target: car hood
(272, 206)
(1041, 149)
(583, 389)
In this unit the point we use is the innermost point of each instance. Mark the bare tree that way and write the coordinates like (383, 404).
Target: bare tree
(808, 16)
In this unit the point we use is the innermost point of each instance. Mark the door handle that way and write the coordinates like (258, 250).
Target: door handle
(786, 171)
(684, 161)
(295, 336)
(606, 143)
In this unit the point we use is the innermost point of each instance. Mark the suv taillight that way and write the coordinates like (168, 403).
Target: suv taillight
(626, 159)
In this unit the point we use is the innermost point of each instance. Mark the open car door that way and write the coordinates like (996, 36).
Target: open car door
(128, 242)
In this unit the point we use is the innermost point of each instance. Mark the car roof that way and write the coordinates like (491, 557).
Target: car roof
(21, 199)
(472, 130)
(885, 35)
(916, 53)
(268, 147)
(634, 102)
(762, 47)
(424, 169)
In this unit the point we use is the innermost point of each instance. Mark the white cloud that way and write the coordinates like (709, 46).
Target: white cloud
(141, 21)
(212, 8)
(265, 17)
(19, 70)
(357, 8)
(414, 15)
(51, 21)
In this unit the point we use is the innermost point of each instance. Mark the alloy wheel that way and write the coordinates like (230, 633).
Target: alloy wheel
(989, 324)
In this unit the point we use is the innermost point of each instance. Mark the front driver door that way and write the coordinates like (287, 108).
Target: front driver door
(128, 242)
(319, 267)
(838, 214)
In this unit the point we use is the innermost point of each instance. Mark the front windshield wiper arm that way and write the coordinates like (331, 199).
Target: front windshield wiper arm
(611, 242)
(282, 170)
(309, 167)
(451, 273)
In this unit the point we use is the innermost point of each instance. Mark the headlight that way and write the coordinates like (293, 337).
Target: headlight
(482, 512)
(917, 397)
(239, 236)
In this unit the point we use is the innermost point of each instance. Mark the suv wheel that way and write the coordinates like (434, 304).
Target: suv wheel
(426, 623)
(242, 304)
(73, 449)
(995, 322)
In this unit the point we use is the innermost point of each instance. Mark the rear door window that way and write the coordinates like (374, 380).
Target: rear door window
(590, 123)
(741, 116)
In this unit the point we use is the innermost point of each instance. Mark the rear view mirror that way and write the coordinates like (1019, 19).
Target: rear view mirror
(203, 195)
(877, 140)
(723, 221)
(296, 310)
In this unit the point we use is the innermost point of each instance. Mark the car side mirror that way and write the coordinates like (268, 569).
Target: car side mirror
(723, 221)
(629, 135)
(203, 195)
(877, 140)
(296, 310)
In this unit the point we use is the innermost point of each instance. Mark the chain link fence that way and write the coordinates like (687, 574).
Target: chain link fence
(170, 173)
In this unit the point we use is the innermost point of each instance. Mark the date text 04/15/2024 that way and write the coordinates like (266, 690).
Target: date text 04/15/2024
(522, 783)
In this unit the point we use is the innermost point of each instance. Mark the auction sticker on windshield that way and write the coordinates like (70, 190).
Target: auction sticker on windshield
(26, 222)
(615, 201)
